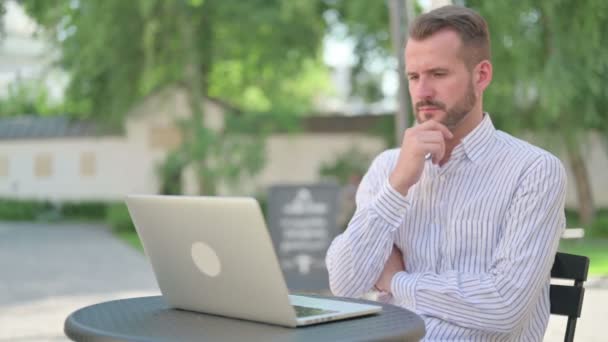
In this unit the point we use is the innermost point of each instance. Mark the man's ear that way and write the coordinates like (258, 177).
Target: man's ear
(483, 75)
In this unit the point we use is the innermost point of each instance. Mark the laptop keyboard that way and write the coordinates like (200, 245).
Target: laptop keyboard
(304, 311)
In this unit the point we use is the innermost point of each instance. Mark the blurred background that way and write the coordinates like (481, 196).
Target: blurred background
(99, 99)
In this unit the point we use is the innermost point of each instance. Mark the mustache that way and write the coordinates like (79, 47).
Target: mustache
(430, 103)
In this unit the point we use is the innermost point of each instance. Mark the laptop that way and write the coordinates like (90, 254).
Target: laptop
(214, 255)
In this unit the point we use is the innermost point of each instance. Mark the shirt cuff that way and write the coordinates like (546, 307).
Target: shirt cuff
(390, 204)
(403, 288)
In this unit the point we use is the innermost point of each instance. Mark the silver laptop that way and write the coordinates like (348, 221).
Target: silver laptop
(214, 255)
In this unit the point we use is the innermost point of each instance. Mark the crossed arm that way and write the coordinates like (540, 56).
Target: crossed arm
(498, 300)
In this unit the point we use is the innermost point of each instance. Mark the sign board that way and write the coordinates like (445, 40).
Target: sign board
(303, 222)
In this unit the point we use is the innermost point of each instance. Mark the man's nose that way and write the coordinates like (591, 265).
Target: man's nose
(424, 89)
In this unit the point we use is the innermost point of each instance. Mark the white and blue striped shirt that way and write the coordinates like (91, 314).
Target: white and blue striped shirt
(478, 237)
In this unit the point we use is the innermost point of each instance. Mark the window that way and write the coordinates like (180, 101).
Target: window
(3, 166)
(88, 164)
(43, 165)
(164, 137)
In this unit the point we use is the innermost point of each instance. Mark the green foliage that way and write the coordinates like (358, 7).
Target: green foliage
(43, 210)
(170, 173)
(131, 238)
(599, 227)
(118, 51)
(29, 98)
(235, 152)
(118, 218)
(572, 219)
(262, 199)
(593, 248)
(89, 210)
(265, 60)
(23, 210)
(550, 74)
(366, 24)
(550, 64)
(352, 163)
(2, 12)
(385, 128)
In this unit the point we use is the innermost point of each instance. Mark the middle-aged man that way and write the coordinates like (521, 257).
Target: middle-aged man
(462, 222)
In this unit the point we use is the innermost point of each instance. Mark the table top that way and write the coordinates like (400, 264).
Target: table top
(151, 319)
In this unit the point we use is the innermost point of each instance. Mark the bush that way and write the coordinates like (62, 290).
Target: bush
(263, 202)
(345, 166)
(572, 220)
(599, 227)
(84, 210)
(119, 219)
(24, 210)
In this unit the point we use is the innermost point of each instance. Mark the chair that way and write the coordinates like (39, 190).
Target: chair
(567, 300)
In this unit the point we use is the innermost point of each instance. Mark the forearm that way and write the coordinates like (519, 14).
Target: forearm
(501, 298)
(356, 258)
(482, 302)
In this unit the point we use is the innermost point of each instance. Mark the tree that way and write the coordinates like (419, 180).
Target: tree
(2, 12)
(28, 97)
(550, 68)
(366, 23)
(258, 56)
(551, 74)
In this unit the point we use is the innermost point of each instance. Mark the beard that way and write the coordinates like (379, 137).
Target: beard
(455, 114)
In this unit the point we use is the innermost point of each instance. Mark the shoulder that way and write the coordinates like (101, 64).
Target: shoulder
(382, 165)
(387, 156)
(386, 159)
(531, 158)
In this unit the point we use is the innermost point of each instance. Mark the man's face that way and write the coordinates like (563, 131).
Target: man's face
(440, 84)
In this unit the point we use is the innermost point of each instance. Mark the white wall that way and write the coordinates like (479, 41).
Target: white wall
(298, 158)
(120, 168)
(128, 164)
(596, 156)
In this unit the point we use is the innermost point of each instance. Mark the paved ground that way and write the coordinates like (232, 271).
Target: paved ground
(48, 271)
(594, 318)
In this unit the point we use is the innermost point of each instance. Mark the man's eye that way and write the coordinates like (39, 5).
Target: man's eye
(412, 77)
(439, 74)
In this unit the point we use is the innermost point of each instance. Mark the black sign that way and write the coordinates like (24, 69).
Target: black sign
(303, 222)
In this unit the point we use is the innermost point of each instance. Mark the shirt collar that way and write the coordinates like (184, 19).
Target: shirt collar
(476, 143)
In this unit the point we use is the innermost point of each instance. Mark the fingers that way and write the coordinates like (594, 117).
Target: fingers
(437, 126)
(418, 142)
(430, 137)
(432, 142)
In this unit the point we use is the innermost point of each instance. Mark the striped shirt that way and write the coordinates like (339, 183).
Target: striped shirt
(478, 237)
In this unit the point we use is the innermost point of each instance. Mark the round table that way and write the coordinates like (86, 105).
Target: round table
(150, 319)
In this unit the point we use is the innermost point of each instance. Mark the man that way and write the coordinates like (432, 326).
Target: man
(462, 223)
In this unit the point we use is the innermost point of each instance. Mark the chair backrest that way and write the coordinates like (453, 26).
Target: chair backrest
(567, 300)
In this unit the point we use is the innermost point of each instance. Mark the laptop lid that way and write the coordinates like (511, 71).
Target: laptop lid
(214, 255)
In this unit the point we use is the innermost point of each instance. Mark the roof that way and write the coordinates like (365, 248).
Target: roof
(40, 127)
(345, 124)
(36, 127)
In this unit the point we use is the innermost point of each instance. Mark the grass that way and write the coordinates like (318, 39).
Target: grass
(596, 249)
(132, 239)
